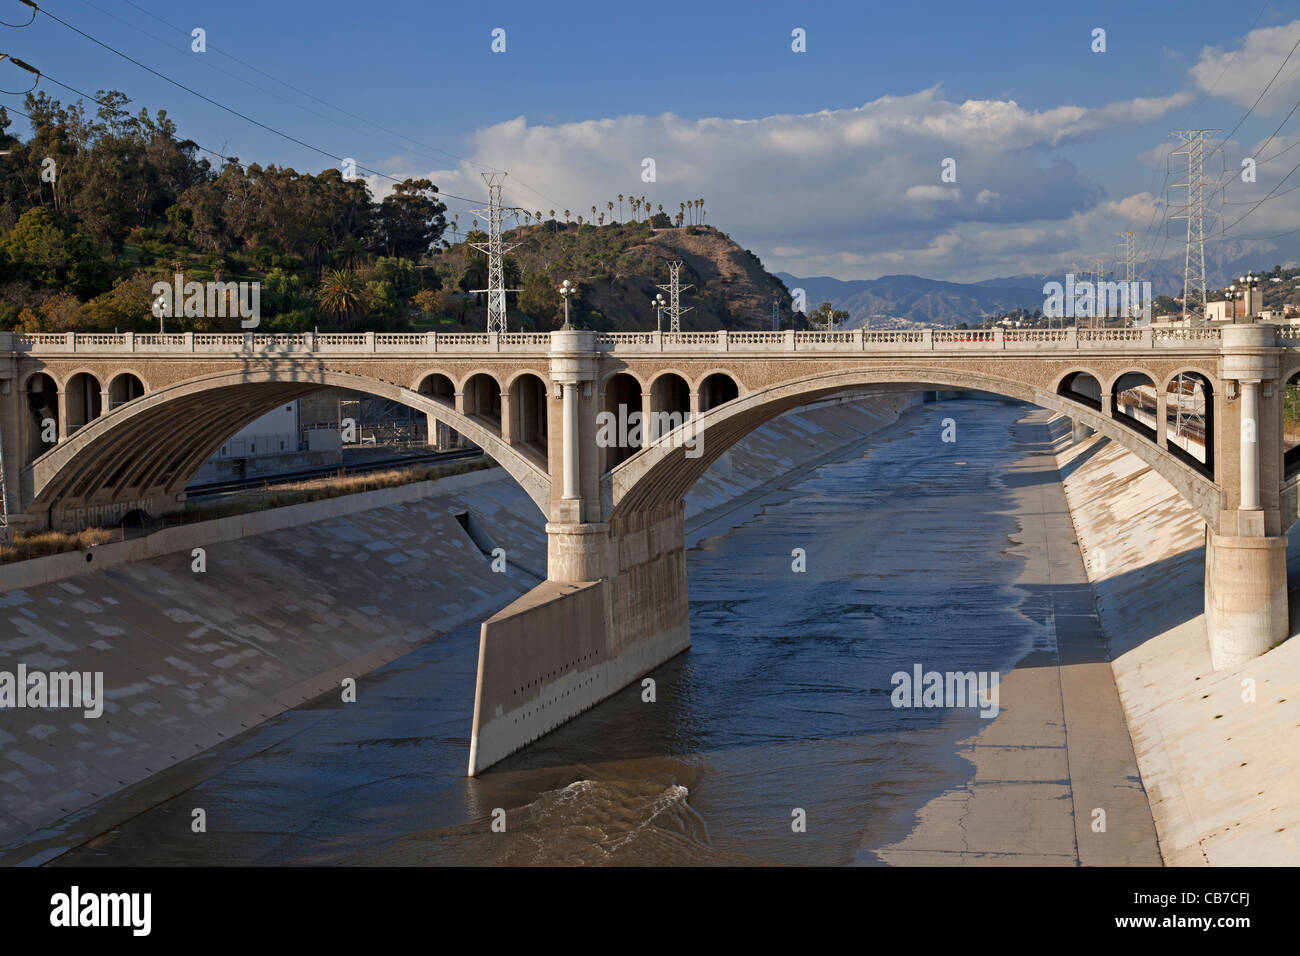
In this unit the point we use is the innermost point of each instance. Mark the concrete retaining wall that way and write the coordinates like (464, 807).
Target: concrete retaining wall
(1219, 751)
(563, 648)
(57, 567)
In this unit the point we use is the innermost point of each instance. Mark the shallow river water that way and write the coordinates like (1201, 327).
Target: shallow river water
(782, 704)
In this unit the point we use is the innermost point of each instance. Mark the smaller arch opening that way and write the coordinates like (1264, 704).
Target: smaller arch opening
(43, 415)
(438, 387)
(1291, 426)
(84, 398)
(124, 388)
(670, 404)
(1081, 387)
(618, 432)
(1189, 420)
(1134, 403)
(528, 413)
(718, 389)
(442, 390)
(483, 400)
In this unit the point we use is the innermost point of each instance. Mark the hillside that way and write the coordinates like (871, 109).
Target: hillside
(618, 269)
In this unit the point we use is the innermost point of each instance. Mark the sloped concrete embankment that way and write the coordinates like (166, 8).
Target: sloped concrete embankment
(1219, 751)
(292, 601)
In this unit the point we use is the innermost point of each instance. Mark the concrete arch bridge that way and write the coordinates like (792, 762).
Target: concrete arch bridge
(95, 425)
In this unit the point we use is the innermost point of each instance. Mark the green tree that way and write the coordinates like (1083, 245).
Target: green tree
(342, 296)
(410, 220)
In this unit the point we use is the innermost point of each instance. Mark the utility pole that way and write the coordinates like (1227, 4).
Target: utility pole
(496, 290)
(1194, 211)
(674, 290)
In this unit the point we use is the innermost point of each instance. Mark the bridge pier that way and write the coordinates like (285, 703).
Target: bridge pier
(1080, 432)
(614, 605)
(1246, 609)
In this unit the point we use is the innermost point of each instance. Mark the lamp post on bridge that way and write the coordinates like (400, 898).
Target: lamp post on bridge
(659, 303)
(567, 289)
(1250, 282)
(1232, 295)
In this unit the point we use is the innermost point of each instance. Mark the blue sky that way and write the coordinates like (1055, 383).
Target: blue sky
(822, 162)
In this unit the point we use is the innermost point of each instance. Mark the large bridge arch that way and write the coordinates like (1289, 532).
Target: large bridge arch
(664, 472)
(159, 440)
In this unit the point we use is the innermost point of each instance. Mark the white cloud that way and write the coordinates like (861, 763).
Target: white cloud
(1240, 73)
(836, 191)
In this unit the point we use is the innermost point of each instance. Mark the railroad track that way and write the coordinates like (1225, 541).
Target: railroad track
(214, 489)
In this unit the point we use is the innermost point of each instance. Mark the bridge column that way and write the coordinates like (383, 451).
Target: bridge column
(1162, 417)
(1246, 609)
(507, 419)
(614, 604)
(1080, 431)
(63, 414)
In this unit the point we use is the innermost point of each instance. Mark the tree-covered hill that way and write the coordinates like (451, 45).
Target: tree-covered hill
(95, 209)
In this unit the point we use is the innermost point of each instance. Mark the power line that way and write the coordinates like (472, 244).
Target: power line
(230, 110)
(307, 93)
(1262, 93)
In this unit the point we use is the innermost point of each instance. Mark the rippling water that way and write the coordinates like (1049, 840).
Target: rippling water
(781, 705)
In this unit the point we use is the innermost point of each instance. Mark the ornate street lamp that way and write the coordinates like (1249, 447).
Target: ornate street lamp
(1231, 296)
(659, 303)
(567, 289)
(1251, 282)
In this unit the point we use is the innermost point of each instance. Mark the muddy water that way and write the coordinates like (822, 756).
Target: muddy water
(780, 711)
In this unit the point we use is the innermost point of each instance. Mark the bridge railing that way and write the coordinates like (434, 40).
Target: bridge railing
(342, 343)
(417, 343)
(910, 340)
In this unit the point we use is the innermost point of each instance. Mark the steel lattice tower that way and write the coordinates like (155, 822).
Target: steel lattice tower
(496, 290)
(1194, 148)
(1130, 268)
(674, 290)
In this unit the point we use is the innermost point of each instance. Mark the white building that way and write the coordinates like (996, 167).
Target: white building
(275, 433)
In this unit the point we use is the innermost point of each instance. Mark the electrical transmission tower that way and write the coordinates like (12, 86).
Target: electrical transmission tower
(1194, 211)
(1130, 268)
(496, 290)
(776, 316)
(674, 290)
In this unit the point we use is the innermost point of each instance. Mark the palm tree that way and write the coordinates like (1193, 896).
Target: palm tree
(610, 206)
(681, 212)
(601, 220)
(538, 214)
(552, 213)
(579, 222)
(566, 216)
(620, 206)
(593, 213)
(341, 296)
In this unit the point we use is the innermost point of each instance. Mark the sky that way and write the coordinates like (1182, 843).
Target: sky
(826, 161)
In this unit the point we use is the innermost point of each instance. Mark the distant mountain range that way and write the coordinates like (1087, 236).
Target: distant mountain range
(907, 300)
